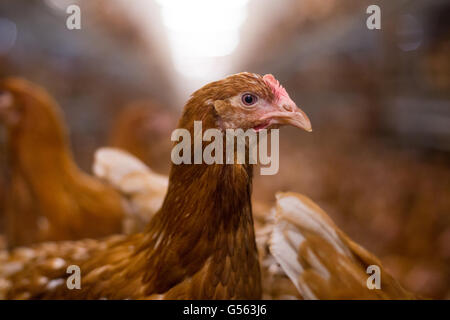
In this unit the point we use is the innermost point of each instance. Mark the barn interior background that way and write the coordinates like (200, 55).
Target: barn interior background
(379, 100)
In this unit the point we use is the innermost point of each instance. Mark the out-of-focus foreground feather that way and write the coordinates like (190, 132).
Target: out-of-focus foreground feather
(320, 259)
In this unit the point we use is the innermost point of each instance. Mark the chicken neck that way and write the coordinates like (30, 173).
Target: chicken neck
(202, 242)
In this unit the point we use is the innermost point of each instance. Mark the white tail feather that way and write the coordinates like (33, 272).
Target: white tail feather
(143, 189)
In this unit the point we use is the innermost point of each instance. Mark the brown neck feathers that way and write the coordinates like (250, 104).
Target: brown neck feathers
(204, 234)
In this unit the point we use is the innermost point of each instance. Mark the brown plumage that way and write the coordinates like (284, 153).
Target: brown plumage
(199, 245)
(143, 128)
(144, 190)
(2, 196)
(48, 196)
(320, 259)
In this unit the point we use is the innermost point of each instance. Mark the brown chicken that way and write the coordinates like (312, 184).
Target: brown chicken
(199, 245)
(48, 196)
(144, 190)
(143, 128)
(320, 259)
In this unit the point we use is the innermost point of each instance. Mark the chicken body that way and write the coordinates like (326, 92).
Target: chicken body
(144, 192)
(199, 245)
(48, 196)
(176, 258)
(320, 259)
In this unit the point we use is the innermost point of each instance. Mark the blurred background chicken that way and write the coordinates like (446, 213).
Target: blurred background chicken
(378, 160)
(48, 197)
(143, 128)
(142, 189)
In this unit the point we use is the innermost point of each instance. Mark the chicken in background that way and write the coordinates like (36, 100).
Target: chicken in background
(143, 128)
(319, 258)
(143, 189)
(48, 196)
(199, 245)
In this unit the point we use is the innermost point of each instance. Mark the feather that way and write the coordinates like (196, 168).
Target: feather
(320, 259)
(143, 189)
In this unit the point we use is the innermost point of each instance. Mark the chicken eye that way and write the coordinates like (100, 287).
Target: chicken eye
(248, 99)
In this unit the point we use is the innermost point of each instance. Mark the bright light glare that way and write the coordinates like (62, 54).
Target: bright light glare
(206, 17)
(205, 44)
(201, 68)
(202, 29)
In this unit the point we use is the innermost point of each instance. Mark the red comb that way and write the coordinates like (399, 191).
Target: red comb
(276, 87)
